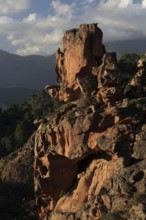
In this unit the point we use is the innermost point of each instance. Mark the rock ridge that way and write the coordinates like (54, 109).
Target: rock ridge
(90, 158)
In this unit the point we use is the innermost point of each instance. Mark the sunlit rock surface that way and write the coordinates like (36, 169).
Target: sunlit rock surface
(90, 160)
(81, 50)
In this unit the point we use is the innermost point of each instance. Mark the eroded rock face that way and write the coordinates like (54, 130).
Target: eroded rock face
(90, 153)
(82, 49)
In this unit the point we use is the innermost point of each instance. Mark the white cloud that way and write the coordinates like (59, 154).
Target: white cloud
(62, 9)
(42, 34)
(8, 25)
(13, 6)
(108, 4)
(125, 3)
(53, 37)
(10, 37)
(28, 50)
(31, 18)
(17, 42)
(144, 3)
(40, 44)
(88, 1)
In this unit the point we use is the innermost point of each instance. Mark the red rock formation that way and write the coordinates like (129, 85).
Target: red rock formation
(89, 154)
(81, 51)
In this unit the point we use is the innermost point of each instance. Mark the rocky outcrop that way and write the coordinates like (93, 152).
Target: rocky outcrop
(137, 86)
(82, 50)
(90, 156)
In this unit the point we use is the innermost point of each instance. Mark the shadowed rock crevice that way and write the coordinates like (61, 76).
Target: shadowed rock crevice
(84, 163)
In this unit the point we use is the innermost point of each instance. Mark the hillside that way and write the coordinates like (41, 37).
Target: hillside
(15, 95)
(127, 46)
(26, 72)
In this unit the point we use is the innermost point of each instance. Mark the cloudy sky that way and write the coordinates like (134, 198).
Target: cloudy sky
(37, 26)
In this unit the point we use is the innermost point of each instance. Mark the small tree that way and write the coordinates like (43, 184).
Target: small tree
(128, 63)
(6, 145)
(41, 104)
(20, 134)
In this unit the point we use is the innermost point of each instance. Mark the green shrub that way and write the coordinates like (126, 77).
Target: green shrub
(16, 122)
(113, 215)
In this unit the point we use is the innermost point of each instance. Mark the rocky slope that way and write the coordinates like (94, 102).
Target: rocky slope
(90, 155)
(31, 71)
(17, 185)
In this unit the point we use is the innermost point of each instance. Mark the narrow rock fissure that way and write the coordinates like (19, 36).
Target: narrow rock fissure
(134, 161)
(85, 163)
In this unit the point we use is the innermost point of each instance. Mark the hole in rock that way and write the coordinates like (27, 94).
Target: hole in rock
(85, 163)
(134, 160)
(46, 144)
(138, 176)
(44, 170)
(64, 171)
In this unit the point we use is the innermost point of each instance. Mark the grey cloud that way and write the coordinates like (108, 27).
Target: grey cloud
(118, 19)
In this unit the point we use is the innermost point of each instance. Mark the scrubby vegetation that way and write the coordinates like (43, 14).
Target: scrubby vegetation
(113, 215)
(128, 63)
(16, 201)
(16, 122)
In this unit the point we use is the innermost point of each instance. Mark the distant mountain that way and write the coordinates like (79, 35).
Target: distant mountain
(15, 95)
(127, 46)
(36, 71)
(32, 71)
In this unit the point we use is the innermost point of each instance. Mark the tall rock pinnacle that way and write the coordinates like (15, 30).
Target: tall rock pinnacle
(82, 50)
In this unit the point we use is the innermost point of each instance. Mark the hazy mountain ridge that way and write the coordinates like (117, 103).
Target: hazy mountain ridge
(15, 95)
(127, 46)
(32, 71)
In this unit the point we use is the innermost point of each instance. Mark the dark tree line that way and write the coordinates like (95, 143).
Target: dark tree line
(128, 63)
(16, 122)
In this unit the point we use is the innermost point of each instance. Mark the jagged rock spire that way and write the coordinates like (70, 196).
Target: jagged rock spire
(82, 50)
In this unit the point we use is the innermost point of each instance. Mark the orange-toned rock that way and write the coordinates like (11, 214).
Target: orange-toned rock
(89, 154)
(82, 50)
(54, 176)
(89, 184)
